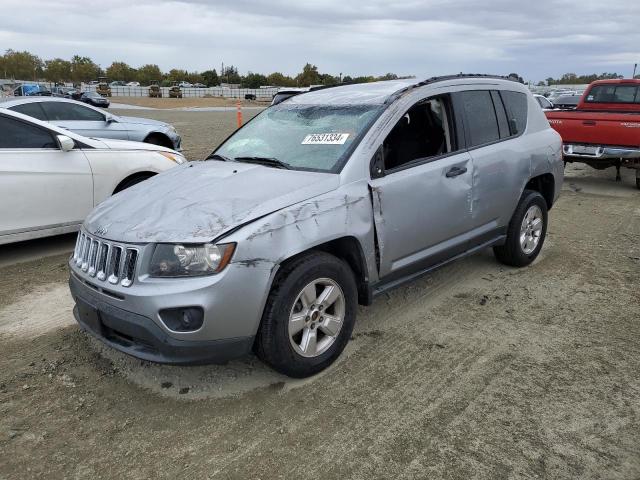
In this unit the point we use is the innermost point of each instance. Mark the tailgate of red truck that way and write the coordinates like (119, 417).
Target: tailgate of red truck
(597, 128)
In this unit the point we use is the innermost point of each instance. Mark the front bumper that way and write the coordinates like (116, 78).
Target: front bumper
(141, 337)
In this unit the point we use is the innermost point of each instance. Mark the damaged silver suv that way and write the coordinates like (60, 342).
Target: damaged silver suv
(319, 203)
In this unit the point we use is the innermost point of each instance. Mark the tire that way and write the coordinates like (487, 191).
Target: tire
(312, 272)
(514, 252)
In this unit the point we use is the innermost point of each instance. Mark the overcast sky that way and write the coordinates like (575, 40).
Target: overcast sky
(535, 38)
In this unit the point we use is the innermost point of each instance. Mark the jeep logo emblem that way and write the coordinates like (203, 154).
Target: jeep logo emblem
(101, 230)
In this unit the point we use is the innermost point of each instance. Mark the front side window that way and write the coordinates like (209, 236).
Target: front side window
(421, 133)
(64, 111)
(19, 134)
(306, 137)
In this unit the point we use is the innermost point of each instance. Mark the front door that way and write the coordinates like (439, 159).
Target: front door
(422, 198)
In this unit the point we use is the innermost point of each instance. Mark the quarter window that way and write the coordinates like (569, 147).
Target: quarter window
(18, 134)
(516, 106)
(65, 111)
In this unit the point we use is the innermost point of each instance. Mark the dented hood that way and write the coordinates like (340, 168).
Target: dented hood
(199, 201)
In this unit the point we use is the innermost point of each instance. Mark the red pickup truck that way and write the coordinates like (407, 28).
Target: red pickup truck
(604, 130)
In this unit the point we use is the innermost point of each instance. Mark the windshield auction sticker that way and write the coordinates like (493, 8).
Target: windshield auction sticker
(325, 139)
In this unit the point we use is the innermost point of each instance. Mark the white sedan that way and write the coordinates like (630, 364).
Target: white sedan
(50, 178)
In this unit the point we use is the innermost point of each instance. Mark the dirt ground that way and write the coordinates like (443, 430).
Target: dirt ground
(201, 131)
(474, 371)
(186, 102)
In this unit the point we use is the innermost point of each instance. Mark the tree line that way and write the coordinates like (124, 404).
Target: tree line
(27, 66)
(573, 79)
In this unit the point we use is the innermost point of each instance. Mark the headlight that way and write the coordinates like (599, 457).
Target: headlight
(174, 157)
(190, 260)
(172, 128)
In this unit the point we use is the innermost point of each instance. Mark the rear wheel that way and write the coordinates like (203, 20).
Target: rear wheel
(638, 178)
(526, 231)
(309, 316)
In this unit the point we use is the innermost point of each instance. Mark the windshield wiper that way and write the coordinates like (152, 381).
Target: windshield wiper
(267, 162)
(216, 156)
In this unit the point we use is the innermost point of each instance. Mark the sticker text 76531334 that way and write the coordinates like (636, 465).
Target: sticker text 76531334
(325, 139)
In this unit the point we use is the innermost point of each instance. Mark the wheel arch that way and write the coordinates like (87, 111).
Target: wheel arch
(139, 176)
(349, 250)
(164, 140)
(545, 185)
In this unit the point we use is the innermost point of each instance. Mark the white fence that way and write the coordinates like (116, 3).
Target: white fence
(124, 91)
(260, 93)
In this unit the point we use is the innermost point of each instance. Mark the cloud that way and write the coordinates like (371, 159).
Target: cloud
(536, 39)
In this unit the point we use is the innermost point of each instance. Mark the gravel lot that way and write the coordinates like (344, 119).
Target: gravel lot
(201, 131)
(475, 371)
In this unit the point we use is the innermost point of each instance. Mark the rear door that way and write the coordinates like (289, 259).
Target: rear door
(501, 161)
(40, 185)
(422, 192)
(83, 120)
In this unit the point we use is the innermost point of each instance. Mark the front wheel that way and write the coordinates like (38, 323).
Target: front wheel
(309, 316)
(526, 231)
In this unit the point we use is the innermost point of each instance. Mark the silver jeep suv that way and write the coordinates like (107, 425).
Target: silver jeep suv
(319, 203)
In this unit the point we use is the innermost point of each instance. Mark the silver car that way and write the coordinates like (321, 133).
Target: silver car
(316, 205)
(92, 122)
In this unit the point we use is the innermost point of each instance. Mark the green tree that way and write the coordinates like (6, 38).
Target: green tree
(210, 78)
(230, 75)
(309, 76)
(57, 70)
(148, 73)
(254, 80)
(176, 75)
(21, 65)
(121, 71)
(278, 79)
(83, 69)
(516, 77)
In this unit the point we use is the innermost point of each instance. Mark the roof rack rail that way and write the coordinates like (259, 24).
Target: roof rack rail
(444, 78)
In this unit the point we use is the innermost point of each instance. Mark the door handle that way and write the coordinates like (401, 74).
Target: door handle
(589, 123)
(455, 171)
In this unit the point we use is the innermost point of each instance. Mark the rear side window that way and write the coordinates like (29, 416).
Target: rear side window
(480, 116)
(516, 106)
(63, 111)
(18, 134)
(32, 109)
(613, 94)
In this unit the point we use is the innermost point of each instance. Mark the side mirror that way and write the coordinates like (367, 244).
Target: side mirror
(109, 118)
(66, 144)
